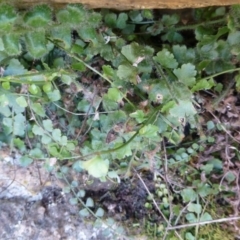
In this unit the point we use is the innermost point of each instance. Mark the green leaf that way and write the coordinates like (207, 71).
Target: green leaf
(133, 51)
(139, 116)
(81, 193)
(202, 31)
(19, 144)
(202, 84)
(166, 59)
(99, 212)
(47, 87)
(155, 29)
(18, 124)
(181, 91)
(53, 150)
(189, 236)
(114, 94)
(7, 17)
(34, 89)
(36, 44)
(5, 111)
(79, 66)
(108, 71)
(37, 130)
(121, 152)
(84, 213)
(183, 54)
(62, 35)
(72, 15)
(11, 44)
(36, 153)
(71, 145)
(205, 217)
(54, 95)
(25, 161)
(149, 131)
(74, 183)
(113, 174)
(45, 139)
(233, 38)
(88, 34)
(169, 20)
(56, 134)
(66, 189)
(183, 109)
(121, 21)
(7, 125)
(207, 168)
(47, 124)
(78, 49)
(66, 79)
(220, 11)
(6, 85)
(188, 195)
(147, 13)
(111, 20)
(127, 73)
(210, 125)
(21, 101)
(83, 106)
(172, 36)
(135, 16)
(230, 177)
(129, 30)
(39, 17)
(3, 100)
(186, 74)
(38, 109)
(14, 68)
(89, 202)
(73, 201)
(166, 107)
(97, 167)
(191, 218)
(94, 19)
(109, 105)
(64, 141)
(193, 207)
(159, 92)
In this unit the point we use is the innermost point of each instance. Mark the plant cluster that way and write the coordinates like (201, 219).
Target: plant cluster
(110, 91)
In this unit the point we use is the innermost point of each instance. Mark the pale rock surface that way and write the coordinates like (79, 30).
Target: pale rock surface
(33, 206)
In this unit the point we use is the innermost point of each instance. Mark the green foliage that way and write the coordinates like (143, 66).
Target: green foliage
(95, 88)
(39, 17)
(97, 167)
(7, 17)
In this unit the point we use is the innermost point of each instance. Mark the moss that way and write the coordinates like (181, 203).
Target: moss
(216, 232)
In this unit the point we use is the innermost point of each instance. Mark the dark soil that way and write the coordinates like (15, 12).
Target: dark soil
(128, 198)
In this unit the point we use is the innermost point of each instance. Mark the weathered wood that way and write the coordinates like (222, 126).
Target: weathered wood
(133, 4)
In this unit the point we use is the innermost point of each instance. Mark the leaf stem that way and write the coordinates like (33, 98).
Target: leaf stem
(223, 72)
(160, 71)
(46, 75)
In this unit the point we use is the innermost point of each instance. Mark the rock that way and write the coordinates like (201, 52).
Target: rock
(33, 206)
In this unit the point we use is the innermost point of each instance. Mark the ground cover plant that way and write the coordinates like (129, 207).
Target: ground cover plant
(144, 99)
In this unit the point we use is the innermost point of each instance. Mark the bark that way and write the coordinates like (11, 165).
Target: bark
(132, 4)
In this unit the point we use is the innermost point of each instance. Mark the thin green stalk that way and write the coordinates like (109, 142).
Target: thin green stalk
(89, 67)
(223, 72)
(194, 26)
(160, 71)
(44, 77)
(188, 27)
